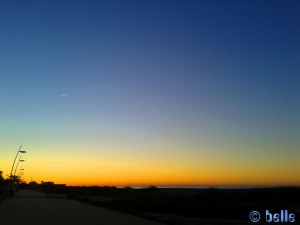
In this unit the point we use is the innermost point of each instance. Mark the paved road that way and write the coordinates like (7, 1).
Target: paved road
(33, 208)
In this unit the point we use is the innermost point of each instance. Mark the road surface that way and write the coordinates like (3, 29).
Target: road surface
(33, 208)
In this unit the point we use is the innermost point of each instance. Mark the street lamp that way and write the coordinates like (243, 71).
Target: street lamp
(10, 176)
(21, 172)
(20, 160)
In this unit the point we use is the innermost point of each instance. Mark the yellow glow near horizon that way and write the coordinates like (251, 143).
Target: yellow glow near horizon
(119, 168)
(134, 172)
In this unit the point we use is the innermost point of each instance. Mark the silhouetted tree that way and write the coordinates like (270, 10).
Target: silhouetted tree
(15, 179)
(3, 183)
(1, 177)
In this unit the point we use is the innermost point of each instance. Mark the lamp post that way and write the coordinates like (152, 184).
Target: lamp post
(20, 160)
(12, 168)
(20, 172)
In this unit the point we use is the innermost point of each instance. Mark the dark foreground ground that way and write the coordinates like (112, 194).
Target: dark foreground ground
(29, 207)
(186, 206)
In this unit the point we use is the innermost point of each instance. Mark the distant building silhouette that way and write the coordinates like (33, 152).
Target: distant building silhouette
(47, 183)
(33, 184)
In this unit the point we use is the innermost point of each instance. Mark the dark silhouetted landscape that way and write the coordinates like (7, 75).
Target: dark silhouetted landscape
(181, 206)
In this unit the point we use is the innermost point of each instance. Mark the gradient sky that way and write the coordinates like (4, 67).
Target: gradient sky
(151, 92)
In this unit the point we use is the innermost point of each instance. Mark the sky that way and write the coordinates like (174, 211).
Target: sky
(136, 93)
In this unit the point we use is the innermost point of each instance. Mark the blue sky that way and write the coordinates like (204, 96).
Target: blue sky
(158, 79)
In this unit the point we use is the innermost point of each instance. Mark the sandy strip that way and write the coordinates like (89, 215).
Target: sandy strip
(32, 208)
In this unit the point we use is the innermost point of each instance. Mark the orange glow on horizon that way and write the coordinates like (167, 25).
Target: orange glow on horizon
(161, 176)
(128, 170)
